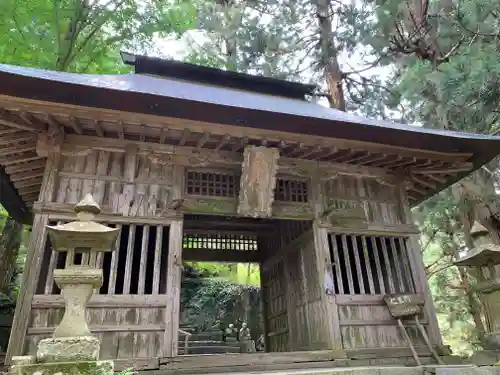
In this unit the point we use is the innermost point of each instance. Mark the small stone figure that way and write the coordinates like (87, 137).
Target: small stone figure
(260, 346)
(246, 342)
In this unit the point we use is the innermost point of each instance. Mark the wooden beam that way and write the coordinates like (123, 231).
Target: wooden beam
(312, 151)
(30, 189)
(203, 139)
(23, 167)
(223, 141)
(229, 256)
(423, 182)
(98, 128)
(240, 144)
(163, 135)
(35, 173)
(16, 137)
(74, 143)
(185, 136)
(9, 119)
(142, 133)
(465, 167)
(76, 125)
(7, 130)
(157, 122)
(31, 120)
(437, 179)
(19, 159)
(27, 183)
(121, 130)
(17, 149)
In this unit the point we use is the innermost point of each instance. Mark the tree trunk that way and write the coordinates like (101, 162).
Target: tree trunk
(329, 55)
(10, 241)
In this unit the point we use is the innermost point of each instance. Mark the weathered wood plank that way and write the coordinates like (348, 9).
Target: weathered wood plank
(30, 277)
(104, 301)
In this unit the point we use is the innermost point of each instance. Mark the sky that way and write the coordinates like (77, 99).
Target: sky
(178, 50)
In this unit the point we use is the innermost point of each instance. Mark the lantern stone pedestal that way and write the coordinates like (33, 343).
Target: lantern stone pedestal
(483, 259)
(72, 349)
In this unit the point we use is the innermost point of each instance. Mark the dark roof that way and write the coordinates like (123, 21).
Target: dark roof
(200, 102)
(217, 77)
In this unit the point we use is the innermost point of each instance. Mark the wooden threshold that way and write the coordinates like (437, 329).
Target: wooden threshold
(248, 359)
(263, 362)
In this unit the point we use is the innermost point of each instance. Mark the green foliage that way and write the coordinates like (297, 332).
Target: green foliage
(84, 36)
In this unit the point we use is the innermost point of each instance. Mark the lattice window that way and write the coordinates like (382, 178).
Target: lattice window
(212, 184)
(137, 266)
(220, 242)
(291, 190)
(370, 265)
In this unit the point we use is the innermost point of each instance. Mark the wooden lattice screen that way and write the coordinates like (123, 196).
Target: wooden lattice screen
(220, 242)
(227, 184)
(217, 184)
(138, 266)
(370, 265)
(288, 190)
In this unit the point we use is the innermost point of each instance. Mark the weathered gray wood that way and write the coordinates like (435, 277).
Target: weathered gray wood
(30, 277)
(258, 180)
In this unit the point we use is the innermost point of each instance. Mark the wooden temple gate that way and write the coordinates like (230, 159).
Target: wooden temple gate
(133, 312)
(247, 165)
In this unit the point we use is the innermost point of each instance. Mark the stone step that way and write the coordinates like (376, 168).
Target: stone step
(193, 343)
(214, 349)
(204, 336)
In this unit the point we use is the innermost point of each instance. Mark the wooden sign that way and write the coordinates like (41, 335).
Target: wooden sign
(404, 304)
(258, 180)
(346, 208)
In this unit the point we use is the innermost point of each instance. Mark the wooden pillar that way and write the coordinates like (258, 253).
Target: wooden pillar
(418, 271)
(324, 263)
(34, 257)
(174, 267)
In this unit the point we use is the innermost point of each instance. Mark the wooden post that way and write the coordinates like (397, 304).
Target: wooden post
(324, 263)
(34, 257)
(174, 266)
(28, 288)
(418, 270)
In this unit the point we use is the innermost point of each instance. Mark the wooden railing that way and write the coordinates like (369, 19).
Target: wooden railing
(186, 339)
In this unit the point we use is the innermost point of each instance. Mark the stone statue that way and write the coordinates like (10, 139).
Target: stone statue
(246, 342)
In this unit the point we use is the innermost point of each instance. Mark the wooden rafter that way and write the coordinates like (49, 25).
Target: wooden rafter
(76, 125)
(222, 141)
(23, 167)
(17, 137)
(16, 149)
(185, 136)
(121, 130)
(35, 173)
(98, 128)
(9, 119)
(23, 158)
(202, 140)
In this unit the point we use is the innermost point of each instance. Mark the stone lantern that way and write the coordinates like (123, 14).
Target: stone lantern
(72, 348)
(484, 258)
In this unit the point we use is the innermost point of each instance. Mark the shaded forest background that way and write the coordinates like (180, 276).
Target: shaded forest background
(431, 63)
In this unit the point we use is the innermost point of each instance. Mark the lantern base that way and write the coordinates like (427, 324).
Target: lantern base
(67, 349)
(58, 368)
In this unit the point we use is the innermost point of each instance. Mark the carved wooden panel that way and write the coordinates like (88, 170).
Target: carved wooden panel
(258, 180)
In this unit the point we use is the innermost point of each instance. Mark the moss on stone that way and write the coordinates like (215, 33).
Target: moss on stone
(65, 368)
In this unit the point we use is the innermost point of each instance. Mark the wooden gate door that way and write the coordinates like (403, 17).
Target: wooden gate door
(309, 321)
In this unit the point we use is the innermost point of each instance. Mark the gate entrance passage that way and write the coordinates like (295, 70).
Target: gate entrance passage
(289, 293)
